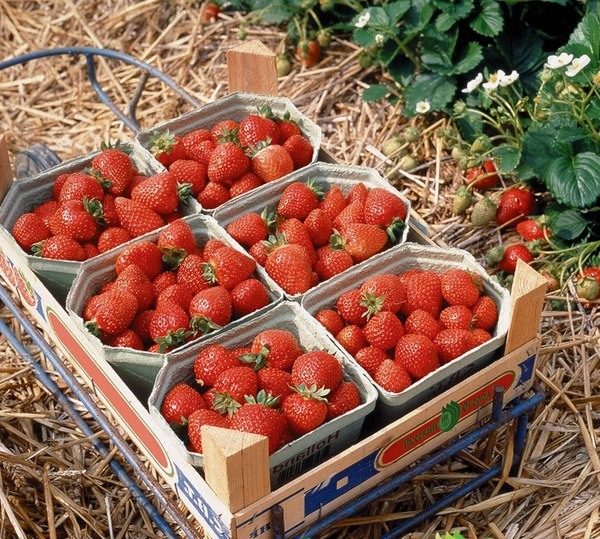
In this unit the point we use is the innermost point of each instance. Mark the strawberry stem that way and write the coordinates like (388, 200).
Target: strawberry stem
(395, 229)
(173, 257)
(203, 325)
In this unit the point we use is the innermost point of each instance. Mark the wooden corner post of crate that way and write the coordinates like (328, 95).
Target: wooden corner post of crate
(527, 301)
(236, 466)
(252, 67)
(6, 176)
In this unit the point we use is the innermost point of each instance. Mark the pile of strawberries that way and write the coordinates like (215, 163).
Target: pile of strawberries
(172, 291)
(311, 236)
(232, 158)
(94, 210)
(270, 387)
(399, 328)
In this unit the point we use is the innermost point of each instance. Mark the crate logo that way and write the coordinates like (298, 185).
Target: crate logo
(17, 279)
(450, 416)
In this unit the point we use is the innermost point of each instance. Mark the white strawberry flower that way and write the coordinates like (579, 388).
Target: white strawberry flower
(379, 38)
(577, 65)
(494, 80)
(423, 106)
(473, 84)
(507, 80)
(556, 62)
(363, 20)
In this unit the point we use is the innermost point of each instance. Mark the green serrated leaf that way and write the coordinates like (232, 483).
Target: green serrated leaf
(507, 157)
(437, 51)
(469, 60)
(458, 9)
(438, 90)
(274, 12)
(569, 224)
(395, 10)
(575, 180)
(375, 92)
(444, 22)
(489, 21)
(470, 126)
(587, 36)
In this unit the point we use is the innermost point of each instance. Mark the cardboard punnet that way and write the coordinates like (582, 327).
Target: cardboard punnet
(308, 450)
(325, 174)
(138, 368)
(412, 256)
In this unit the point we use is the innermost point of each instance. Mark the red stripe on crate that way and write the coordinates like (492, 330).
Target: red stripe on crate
(111, 394)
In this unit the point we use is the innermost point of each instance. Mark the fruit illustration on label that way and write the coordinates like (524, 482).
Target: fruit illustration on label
(450, 416)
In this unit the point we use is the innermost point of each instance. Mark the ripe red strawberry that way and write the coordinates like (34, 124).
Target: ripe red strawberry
(350, 307)
(295, 232)
(330, 320)
(479, 336)
(144, 254)
(305, 409)
(109, 211)
(308, 53)
(163, 280)
(298, 200)
(136, 217)
(46, 210)
(248, 296)
(76, 219)
(363, 241)
(227, 163)
(133, 279)
(80, 186)
(333, 202)
(58, 184)
(384, 292)
(422, 323)
(197, 420)
(244, 184)
(383, 208)
(192, 140)
(176, 241)
(211, 247)
(248, 229)
(484, 176)
(90, 306)
(272, 163)
(176, 293)
(319, 227)
(300, 150)
(59, 248)
(317, 368)
(452, 343)
(279, 346)
(515, 203)
(531, 230)
(190, 273)
(342, 399)
(237, 382)
(241, 350)
(255, 128)
(277, 382)
(211, 361)
(90, 250)
(287, 127)
(331, 261)
(512, 253)
(169, 325)
(352, 213)
(407, 275)
(417, 354)
(111, 237)
(456, 317)
(261, 419)
(290, 267)
(383, 330)
(358, 193)
(136, 180)
(210, 309)
(392, 376)
(203, 151)
(141, 325)
(113, 313)
(224, 131)
(166, 147)
(485, 313)
(370, 358)
(423, 291)
(180, 402)
(161, 193)
(228, 267)
(213, 195)
(352, 339)
(115, 167)
(259, 252)
(191, 172)
(28, 229)
(459, 288)
(127, 339)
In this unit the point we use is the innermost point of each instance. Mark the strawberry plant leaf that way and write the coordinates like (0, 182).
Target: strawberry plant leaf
(375, 92)
(569, 224)
(458, 9)
(444, 22)
(395, 10)
(575, 180)
(507, 157)
(438, 90)
(586, 37)
(489, 21)
(471, 58)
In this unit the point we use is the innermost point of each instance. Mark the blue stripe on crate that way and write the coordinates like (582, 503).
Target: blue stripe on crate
(526, 367)
(269, 508)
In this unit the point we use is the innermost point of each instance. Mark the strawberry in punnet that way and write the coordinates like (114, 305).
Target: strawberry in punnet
(353, 213)
(271, 163)
(80, 186)
(76, 219)
(350, 307)
(166, 147)
(421, 322)
(136, 217)
(332, 259)
(333, 202)
(352, 339)
(111, 237)
(228, 267)
(479, 336)
(317, 368)
(91, 304)
(342, 399)
(59, 248)
(29, 229)
(90, 250)
(225, 131)
(176, 293)
(459, 287)
(294, 231)
(260, 252)
(279, 347)
(358, 193)
(192, 140)
(456, 317)
(383, 330)
(239, 351)
(484, 176)
(298, 200)
(248, 296)
(256, 128)
(109, 211)
(417, 354)
(244, 184)
(287, 127)
(300, 150)
(452, 343)
(423, 291)
(197, 420)
(237, 382)
(46, 210)
(115, 167)
(137, 179)
(308, 52)
(227, 163)
(384, 292)
(210, 309)
(386, 210)
(58, 184)
(531, 230)
(248, 229)
(188, 171)
(515, 203)
(363, 241)
(259, 417)
(190, 273)
(330, 320)
(144, 254)
(203, 151)
(113, 313)
(392, 376)
(512, 253)
(169, 325)
(485, 313)
(127, 339)
(305, 408)
(163, 280)
(133, 279)
(211, 362)
(370, 358)
(277, 382)
(180, 402)
(319, 227)
(161, 193)
(290, 267)
(213, 195)
(176, 241)
(141, 325)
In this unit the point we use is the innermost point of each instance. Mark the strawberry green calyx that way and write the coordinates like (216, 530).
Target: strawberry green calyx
(203, 325)
(395, 229)
(336, 241)
(209, 273)
(37, 249)
(92, 327)
(317, 188)
(116, 145)
(224, 403)
(534, 246)
(104, 182)
(162, 142)
(264, 398)
(94, 207)
(266, 111)
(312, 392)
(288, 118)
(184, 191)
(252, 151)
(229, 135)
(270, 217)
(275, 240)
(173, 257)
(173, 339)
(372, 304)
(256, 361)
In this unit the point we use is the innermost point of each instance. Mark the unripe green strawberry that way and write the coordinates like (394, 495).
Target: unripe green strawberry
(284, 66)
(392, 146)
(481, 144)
(408, 162)
(411, 134)
(365, 58)
(462, 201)
(457, 153)
(484, 212)
(588, 288)
(324, 38)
